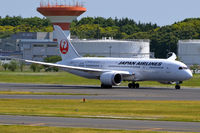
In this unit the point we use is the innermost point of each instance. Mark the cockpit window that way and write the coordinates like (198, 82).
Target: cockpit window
(182, 68)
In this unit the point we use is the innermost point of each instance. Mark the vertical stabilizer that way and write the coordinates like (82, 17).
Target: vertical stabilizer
(65, 47)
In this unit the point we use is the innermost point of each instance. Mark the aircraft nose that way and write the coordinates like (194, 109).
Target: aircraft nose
(189, 74)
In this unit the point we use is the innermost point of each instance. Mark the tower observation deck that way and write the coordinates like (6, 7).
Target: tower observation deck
(61, 14)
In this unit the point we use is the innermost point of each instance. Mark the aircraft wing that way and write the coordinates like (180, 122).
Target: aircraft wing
(90, 70)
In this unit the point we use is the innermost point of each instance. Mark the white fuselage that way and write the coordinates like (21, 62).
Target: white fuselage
(161, 70)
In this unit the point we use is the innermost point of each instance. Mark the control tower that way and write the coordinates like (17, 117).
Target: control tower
(61, 14)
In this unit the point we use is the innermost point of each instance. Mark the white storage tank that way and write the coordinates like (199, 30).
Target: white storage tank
(113, 48)
(189, 51)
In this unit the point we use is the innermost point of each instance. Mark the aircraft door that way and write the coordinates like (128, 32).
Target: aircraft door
(168, 69)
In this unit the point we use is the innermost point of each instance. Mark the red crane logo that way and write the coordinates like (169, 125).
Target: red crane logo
(64, 46)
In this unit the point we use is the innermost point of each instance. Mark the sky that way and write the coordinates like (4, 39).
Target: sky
(161, 12)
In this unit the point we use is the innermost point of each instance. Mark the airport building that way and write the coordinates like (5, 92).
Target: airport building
(189, 51)
(33, 49)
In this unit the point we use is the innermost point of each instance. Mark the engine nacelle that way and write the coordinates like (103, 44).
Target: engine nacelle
(111, 78)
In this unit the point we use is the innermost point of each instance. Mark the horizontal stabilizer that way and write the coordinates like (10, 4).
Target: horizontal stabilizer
(172, 57)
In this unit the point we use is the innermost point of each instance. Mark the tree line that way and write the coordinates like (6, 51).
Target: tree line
(163, 39)
(14, 65)
(11, 25)
(99, 27)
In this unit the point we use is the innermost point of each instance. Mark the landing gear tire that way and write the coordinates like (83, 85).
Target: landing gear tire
(137, 86)
(130, 85)
(133, 85)
(106, 86)
(177, 87)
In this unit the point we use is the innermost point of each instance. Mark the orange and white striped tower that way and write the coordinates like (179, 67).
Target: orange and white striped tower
(61, 14)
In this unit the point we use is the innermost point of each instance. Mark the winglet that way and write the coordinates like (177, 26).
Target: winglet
(172, 57)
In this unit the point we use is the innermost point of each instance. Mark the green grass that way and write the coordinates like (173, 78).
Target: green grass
(45, 78)
(37, 129)
(69, 79)
(194, 82)
(118, 109)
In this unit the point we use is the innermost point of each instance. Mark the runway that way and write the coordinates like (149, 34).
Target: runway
(101, 123)
(95, 92)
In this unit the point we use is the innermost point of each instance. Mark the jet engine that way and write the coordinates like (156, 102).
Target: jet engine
(111, 78)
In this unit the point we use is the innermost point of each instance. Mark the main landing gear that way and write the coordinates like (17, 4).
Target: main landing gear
(133, 85)
(106, 86)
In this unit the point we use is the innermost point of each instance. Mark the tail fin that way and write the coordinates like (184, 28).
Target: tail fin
(66, 49)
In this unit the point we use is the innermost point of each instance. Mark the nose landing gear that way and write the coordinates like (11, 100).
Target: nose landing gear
(178, 87)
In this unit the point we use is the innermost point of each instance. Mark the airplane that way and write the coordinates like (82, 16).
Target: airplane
(112, 71)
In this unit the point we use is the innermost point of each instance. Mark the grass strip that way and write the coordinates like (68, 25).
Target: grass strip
(69, 79)
(43, 129)
(187, 111)
(45, 78)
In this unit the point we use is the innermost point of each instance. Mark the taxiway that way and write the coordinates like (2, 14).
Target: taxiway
(101, 123)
